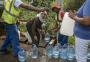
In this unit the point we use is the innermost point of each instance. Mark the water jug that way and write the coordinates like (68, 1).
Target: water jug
(67, 25)
(88, 54)
(71, 52)
(21, 55)
(63, 52)
(56, 51)
(49, 50)
(47, 37)
(34, 53)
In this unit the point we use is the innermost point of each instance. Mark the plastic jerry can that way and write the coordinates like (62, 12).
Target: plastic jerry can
(67, 25)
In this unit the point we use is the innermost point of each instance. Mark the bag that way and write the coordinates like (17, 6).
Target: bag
(67, 25)
(28, 37)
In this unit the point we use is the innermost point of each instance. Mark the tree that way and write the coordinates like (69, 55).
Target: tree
(72, 4)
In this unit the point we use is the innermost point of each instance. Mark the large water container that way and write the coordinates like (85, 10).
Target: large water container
(67, 25)
(47, 37)
(56, 51)
(49, 50)
(88, 54)
(34, 53)
(71, 52)
(63, 52)
(22, 55)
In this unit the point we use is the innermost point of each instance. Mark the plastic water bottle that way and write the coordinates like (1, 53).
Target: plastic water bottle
(88, 55)
(49, 50)
(71, 52)
(22, 55)
(47, 37)
(34, 53)
(56, 51)
(63, 52)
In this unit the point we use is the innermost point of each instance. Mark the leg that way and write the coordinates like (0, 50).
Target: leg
(38, 38)
(14, 39)
(29, 29)
(62, 39)
(81, 49)
(7, 40)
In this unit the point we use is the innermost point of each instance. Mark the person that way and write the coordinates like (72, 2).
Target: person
(34, 27)
(81, 30)
(62, 39)
(10, 14)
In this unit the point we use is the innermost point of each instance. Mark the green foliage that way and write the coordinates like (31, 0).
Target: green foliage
(71, 40)
(27, 14)
(72, 4)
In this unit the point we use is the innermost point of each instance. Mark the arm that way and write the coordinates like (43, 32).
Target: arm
(82, 20)
(85, 20)
(19, 3)
(30, 7)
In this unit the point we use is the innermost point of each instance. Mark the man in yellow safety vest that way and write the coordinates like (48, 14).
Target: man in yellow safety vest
(10, 14)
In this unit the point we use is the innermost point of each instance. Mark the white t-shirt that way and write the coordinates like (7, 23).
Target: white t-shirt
(17, 3)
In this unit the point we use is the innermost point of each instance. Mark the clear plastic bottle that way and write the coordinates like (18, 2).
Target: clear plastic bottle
(47, 37)
(56, 51)
(34, 53)
(63, 52)
(49, 50)
(22, 55)
(71, 52)
(88, 54)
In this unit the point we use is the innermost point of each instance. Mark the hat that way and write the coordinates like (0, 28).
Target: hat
(55, 5)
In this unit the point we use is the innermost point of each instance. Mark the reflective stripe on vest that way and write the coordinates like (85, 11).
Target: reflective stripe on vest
(10, 13)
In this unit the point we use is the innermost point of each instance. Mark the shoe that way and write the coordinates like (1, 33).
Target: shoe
(4, 52)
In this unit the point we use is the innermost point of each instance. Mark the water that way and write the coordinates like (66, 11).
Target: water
(47, 37)
(56, 51)
(49, 50)
(22, 55)
(71, 52)
(63, 52)
(34, 53)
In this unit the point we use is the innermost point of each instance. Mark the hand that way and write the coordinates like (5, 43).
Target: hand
(55, 30)
(72, 14)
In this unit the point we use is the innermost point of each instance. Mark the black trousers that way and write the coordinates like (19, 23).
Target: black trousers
(29, 29)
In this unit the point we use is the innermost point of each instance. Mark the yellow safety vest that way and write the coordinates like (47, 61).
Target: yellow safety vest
(11, 13)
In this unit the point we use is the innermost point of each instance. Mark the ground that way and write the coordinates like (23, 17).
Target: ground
(42, 57)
